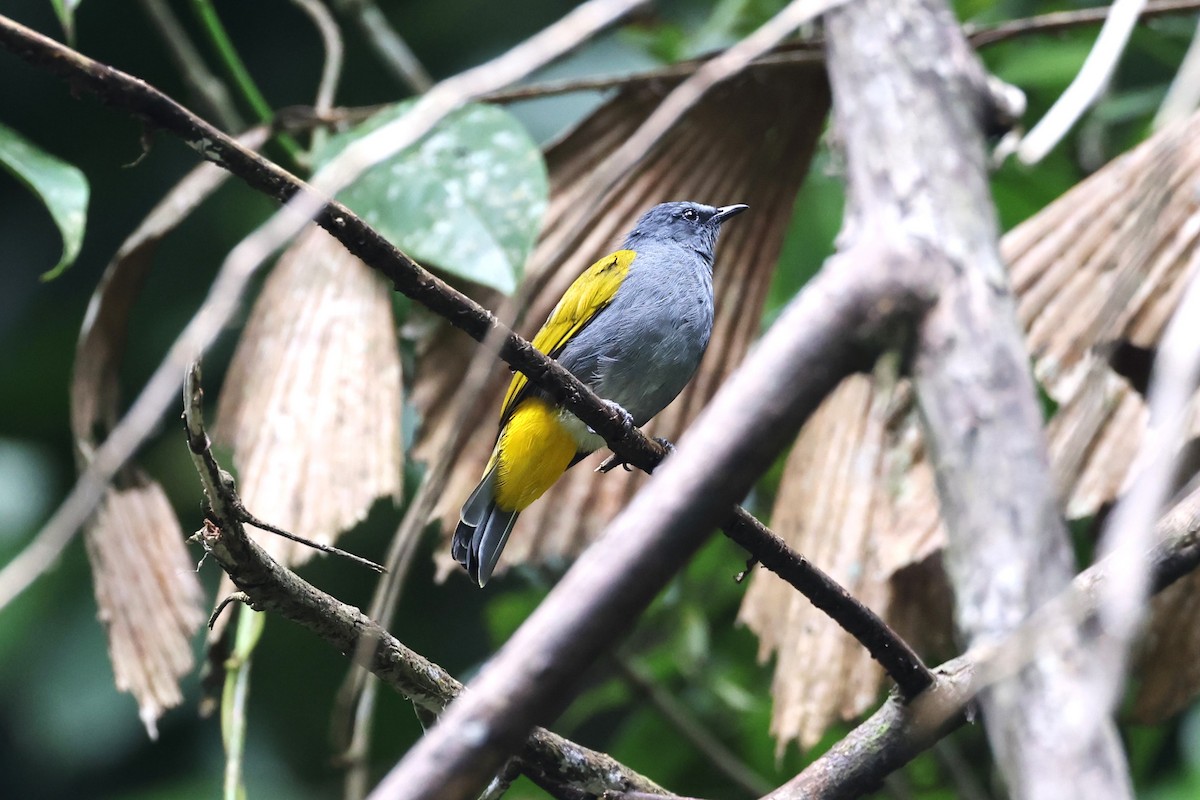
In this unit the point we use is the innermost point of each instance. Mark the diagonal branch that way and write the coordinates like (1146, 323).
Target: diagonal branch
(897, 732)
(1008, 551)
(268, 586)
(845, 316)
(143, 101)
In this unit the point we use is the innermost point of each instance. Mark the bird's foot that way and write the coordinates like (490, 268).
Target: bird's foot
(614, 461)
(625, 417)
(665, 444)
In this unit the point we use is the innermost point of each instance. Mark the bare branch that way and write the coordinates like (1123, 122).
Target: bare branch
(1057, 21)
(897, 733)
(210, 89)
(409, 278)
(391, 48)
(1091, 80)
(331, 40)
(267, 586)
(809, 50)
(1008, 550)
(840, 319)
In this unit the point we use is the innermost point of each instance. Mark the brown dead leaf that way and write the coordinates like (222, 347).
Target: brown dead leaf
(311, 404)
(147, 594)
(1099, 270)
(749, 141)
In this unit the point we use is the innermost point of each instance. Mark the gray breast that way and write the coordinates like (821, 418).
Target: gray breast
(642, 350)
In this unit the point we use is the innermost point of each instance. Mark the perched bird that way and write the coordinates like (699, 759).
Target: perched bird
(633, 328)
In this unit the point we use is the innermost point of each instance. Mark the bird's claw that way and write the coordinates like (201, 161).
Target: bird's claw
(625, 417)
(614, 461)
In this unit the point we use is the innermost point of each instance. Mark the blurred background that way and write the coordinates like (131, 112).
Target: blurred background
(66, 732)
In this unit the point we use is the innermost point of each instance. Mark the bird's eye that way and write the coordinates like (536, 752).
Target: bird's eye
(690, 214)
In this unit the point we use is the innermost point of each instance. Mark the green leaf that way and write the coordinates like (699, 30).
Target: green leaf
(62, 188)
(468, 198)
(65, 9)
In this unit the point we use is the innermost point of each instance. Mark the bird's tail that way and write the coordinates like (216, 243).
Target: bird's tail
(482, 530)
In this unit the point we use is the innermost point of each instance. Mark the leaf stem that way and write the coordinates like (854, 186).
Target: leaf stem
(242, 80)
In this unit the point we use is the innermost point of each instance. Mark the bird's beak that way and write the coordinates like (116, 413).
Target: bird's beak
(725, 212)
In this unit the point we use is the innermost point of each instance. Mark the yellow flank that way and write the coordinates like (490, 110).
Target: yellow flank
(587, 296)
(533, 452)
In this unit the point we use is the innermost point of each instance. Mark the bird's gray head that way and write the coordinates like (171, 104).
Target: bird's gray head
(692, 225)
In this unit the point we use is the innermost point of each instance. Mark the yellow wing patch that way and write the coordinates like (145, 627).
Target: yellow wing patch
(584, 299)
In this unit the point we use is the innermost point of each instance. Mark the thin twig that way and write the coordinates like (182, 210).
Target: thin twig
(1183, 95)
(894, 654)
(1057, 21)
(211, 23)
(389, 45)
(1087, 85)
(209, 89)
(248, 518)
(273, 588)
(331, 69)
(809, 50)
(232, 597)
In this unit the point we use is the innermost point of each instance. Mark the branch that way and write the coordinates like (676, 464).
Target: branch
(268, 586)
(842, 318)
(909, 93)
(208, 89)
(390, 47)
(809, 50)
(897, 733)
(1130, 527)
(143, 101)
(146, 103)
(1093, 76)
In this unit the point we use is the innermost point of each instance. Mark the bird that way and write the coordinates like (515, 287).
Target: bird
(633, 328)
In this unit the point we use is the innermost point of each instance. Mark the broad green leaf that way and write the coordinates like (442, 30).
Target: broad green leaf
(62, 188)
(468, 198)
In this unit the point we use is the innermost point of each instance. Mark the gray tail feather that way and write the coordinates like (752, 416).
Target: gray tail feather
(482, 531)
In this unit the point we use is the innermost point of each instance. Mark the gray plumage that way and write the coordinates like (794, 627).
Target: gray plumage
(638, 352)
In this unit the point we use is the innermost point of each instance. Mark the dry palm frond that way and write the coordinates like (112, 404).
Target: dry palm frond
(1097, 275)
(311, 403)
(748, 141)
(147, 592)
(146, 589)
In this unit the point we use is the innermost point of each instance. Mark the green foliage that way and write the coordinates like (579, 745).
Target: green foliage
(62, 188)
(468, 198)
(55, 687)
